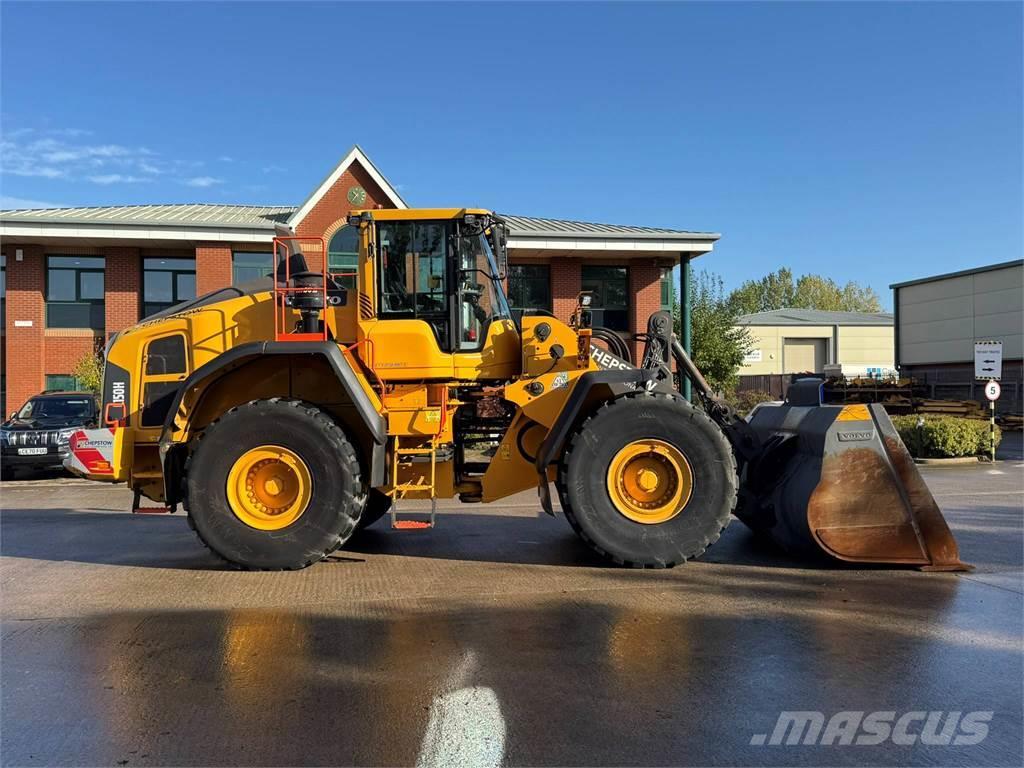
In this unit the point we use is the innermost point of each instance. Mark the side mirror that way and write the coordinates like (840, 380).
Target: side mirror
(502, 253)
(13, 414)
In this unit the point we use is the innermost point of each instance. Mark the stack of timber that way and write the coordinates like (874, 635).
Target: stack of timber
(966, 409)
(903, 396)
(897, 395)
(1010, 422)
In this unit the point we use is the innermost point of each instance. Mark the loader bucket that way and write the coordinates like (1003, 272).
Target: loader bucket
(837, 480)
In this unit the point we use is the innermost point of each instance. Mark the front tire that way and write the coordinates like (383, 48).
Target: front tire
(648, 481)
(274, 484)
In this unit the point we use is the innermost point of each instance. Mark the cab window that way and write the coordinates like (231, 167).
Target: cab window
(166, 355)
(166, 365)
(413, 273)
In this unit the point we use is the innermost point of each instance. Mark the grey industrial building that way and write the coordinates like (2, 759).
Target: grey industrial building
(939, 318)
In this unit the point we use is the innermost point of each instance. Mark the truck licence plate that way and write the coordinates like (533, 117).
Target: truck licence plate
(32, 451)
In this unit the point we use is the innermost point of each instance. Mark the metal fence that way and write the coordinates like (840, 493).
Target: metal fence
(775, 384)
(957, 382)
(948, 382)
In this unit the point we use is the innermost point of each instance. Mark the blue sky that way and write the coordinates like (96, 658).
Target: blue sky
(865, 141)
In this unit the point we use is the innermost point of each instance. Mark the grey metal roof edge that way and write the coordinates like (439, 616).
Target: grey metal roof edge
(811, 322)
(553, 234)
(142, 223)
(769, 317)
(961, 273)
(267, 217)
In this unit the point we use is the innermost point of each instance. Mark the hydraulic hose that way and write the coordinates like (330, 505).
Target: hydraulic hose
(616, 345)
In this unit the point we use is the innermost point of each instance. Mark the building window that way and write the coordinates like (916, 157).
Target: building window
(610, 287)
(343, 256)
(74, 292)
(248, 266)
(166, 282)
(3, 292)
(668, 289)
(529, 286)
(64, 382)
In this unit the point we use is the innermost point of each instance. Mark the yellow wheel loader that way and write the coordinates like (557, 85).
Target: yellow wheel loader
(285, 414)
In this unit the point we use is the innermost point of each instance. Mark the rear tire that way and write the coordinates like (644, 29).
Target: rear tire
(691, 525)
(333, 489)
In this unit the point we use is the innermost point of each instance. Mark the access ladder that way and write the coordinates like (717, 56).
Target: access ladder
(399, 491)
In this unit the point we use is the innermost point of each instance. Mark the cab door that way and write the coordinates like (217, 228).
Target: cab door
(411, 336)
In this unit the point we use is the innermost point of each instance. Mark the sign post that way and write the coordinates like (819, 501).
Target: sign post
(988, 360)
(992, 391)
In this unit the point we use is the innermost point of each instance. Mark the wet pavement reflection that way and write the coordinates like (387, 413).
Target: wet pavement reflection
(444, 649)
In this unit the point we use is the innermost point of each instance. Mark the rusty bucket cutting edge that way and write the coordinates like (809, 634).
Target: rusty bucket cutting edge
(838, 480)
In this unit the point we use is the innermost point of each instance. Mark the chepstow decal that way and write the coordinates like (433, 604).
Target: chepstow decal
(91, 452)
(607, 360)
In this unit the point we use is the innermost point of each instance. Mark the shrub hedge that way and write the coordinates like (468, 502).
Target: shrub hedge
(943, 437)
(744, 402)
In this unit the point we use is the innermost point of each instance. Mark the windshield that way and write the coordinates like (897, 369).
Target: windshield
(57, 408)
(482, 299)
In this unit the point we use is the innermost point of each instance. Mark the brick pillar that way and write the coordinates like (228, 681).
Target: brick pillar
(122, 288)
(26, 321)
(213, 267)
(565, 287)
(645, 292)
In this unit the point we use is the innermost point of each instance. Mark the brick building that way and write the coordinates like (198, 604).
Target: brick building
(69, 277)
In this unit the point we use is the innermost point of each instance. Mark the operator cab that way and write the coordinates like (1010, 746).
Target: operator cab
(447, 273)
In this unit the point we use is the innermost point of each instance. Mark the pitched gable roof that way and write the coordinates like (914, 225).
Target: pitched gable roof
(354, 154)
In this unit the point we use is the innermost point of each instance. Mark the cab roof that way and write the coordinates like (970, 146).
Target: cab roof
(419, 214)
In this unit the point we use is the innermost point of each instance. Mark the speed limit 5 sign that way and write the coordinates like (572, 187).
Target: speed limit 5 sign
(992, 390)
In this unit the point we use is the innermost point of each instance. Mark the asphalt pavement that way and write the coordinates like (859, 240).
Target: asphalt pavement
(496, 638)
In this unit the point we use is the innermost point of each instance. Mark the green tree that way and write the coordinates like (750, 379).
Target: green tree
(89, 372)
(817, 292)
(778, 290)
(772, 291)
(858, 298)
(718, 343)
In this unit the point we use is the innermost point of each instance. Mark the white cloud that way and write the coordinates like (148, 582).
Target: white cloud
(202, 181)
(226, 159)
(70, 132)
(9, 203)
(63, 154)
(116, 178)
(274, 169)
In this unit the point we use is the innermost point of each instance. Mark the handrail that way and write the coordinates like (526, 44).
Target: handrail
(282, 290)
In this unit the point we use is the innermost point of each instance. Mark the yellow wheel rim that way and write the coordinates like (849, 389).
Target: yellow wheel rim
(650, 481)
(269, 487)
